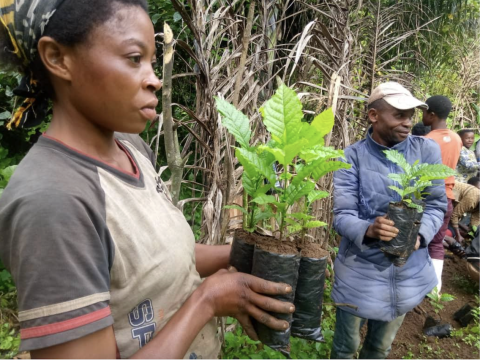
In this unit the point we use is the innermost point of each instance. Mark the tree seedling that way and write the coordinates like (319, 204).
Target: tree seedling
(415, 178)
(296, 148)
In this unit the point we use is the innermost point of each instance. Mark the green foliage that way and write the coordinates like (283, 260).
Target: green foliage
(437, 299)
(297, 150)
(9, 341)
(9, 337)
(471, 334)
(415, 178)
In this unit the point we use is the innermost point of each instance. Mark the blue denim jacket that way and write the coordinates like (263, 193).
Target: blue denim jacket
(364, 277)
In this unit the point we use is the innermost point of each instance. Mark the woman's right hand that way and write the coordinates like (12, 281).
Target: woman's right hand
(242, 296)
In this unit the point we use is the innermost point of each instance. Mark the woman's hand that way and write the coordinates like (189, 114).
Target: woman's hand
(242, 296)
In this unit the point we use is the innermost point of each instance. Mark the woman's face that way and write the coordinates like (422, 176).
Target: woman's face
(113, 83)
(468, 139)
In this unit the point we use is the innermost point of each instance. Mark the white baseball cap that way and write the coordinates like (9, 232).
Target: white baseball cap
(396, 95)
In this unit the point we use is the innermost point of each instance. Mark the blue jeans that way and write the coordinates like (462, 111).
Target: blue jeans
(377, 344)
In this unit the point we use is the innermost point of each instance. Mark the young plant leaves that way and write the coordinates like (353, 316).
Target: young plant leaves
(235, 121)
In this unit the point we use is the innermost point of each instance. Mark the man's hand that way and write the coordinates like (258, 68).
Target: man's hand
(459, 236)
(382, 229)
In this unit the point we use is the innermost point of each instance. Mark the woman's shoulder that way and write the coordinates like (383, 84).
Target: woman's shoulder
(47, 172)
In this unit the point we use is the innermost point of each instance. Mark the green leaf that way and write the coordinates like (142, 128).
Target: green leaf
(8, 172)
(447, 297)
(284, 155)
(309, 133)
(262, 190)
(315, 224)
(317, 195)
(236, 207)
(317, 169)
(155, 18)
(396, 189)
(260, 215)
(291, 221)
(5, 115)
(235, 121)
(280, 206)
(433, 172)
(320, 152)
(400, 178)
(177, 17)
(327, 167)
(282, 114)
(397, 158)
(323, 122)
(252, 185)
(285, 176)
(412, 205)
(255, 164)
(300, 216)
(295, 192)
(294, 228)
(264, 199)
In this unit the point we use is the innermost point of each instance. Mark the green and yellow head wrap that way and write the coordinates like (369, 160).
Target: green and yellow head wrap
(25, 22)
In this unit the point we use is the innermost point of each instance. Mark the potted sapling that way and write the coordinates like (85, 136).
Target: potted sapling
(408, 211)
(297, 150)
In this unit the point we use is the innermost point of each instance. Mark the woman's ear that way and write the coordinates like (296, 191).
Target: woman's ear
(372, 115)
(55, 57)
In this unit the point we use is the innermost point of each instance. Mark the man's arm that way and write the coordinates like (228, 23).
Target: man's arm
(211, 258)
(345, 205)
(436, 201)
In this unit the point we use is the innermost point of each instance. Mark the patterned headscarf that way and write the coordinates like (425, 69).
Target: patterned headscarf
(25, 22)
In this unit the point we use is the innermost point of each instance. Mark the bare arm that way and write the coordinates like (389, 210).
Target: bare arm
(222, 294)
(211, 258)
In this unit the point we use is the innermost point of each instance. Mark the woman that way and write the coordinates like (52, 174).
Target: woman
(104, 264)
(467, 166)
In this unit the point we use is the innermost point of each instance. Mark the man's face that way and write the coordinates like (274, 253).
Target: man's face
(390, 126)
(427, 118)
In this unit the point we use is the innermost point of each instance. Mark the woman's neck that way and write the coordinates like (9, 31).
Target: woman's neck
(85, 136)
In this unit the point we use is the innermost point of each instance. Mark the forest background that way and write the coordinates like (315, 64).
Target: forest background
(333, 53)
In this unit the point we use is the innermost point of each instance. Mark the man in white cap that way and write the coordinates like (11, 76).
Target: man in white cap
(365, 279)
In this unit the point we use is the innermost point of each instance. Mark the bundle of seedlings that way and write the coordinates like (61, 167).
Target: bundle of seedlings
(407, 213)
(290, 164)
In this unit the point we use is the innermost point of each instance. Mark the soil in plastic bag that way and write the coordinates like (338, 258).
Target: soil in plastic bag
(309, 296)
(241, 254)
(278, 268)
(407, 221)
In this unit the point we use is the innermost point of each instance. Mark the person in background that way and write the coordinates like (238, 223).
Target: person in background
(378, 292)
(467, 197)
(439, 108)
(420, 129)
(467, 166)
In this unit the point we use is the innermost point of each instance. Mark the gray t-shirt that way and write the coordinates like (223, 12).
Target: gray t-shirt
(90, 246)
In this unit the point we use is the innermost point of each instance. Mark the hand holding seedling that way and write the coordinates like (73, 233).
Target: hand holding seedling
(382, 229)
(241, 296)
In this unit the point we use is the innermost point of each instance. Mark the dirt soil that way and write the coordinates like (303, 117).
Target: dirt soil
(273, 245)
(410, 341)
(249, 238)
(313, 250)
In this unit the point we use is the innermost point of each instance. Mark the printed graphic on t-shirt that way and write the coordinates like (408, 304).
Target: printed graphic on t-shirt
(141, 319)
